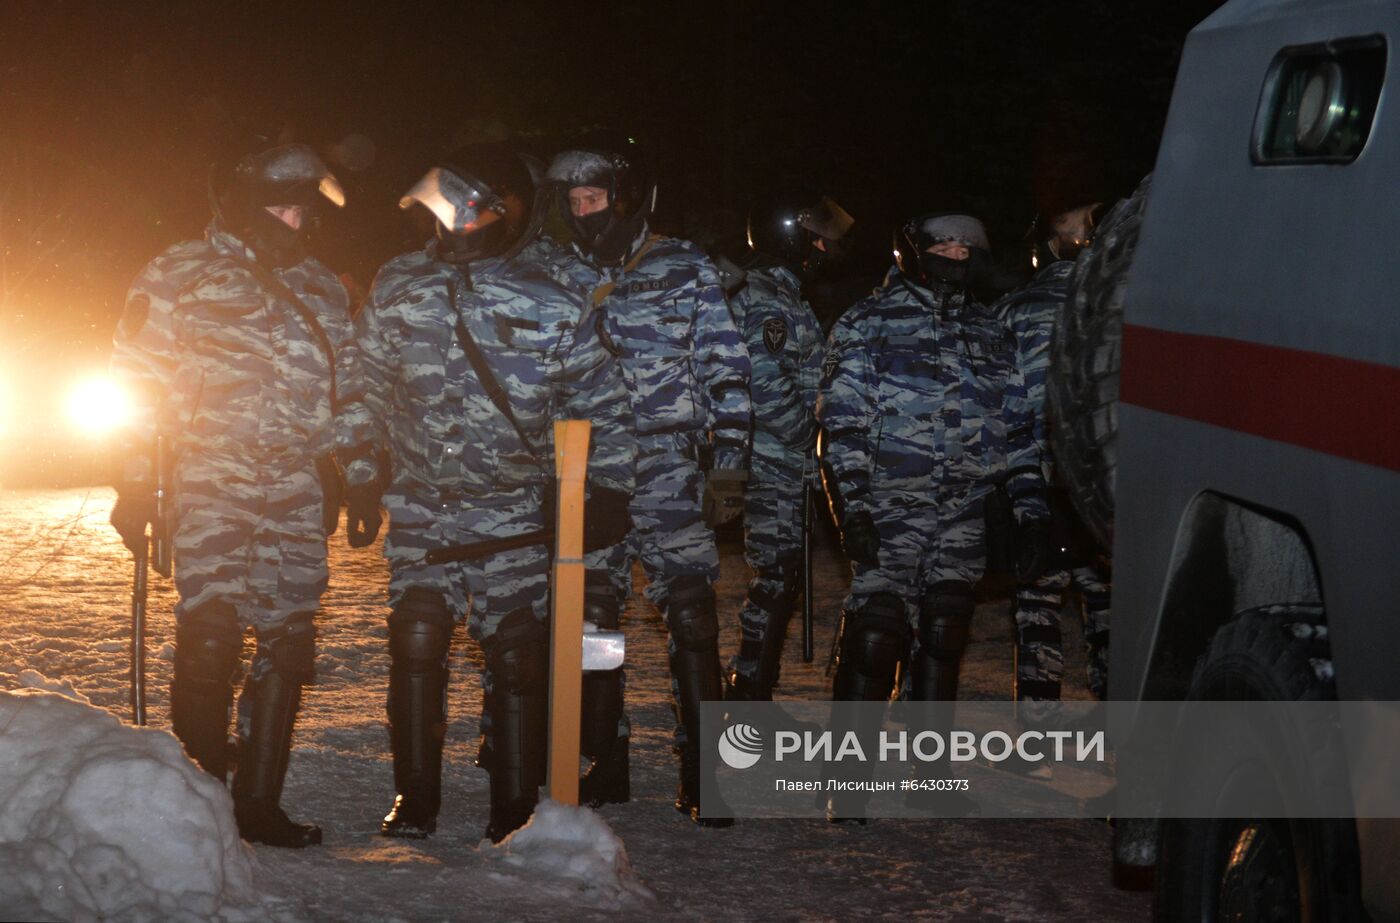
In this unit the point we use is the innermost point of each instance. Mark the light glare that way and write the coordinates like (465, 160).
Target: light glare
(97, 405)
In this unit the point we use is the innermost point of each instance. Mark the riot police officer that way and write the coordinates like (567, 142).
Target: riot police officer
(659, 307)
(230, 344)
(469, 349)
(789, 235)
(922, 410)
(1061, 230)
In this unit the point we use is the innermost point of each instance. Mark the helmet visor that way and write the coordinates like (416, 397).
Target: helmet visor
(281, 172)
(461, 203)
(826, 219)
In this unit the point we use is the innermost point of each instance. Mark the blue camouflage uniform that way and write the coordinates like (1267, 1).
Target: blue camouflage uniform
(1029, 314)
(687, 375)
(231, 373)
(458, 470)
(786, 347)
(923, 410)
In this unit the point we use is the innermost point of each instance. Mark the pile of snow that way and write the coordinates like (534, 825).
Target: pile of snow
(33, 679)
(101, 820)
(572, 843)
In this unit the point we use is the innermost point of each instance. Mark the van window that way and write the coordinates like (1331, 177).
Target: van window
(1319, 102)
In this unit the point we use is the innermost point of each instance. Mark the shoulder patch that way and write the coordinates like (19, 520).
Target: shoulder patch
(829, 364)
(775, 334)
(138, 308)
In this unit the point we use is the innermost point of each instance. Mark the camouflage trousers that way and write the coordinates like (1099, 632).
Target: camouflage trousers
(1040, 662)
(250, 534)
(923, 541)
(483, 591)
(773, 551)
(669, 536)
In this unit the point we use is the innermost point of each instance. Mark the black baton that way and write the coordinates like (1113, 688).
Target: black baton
(806, 568)
(138, 636)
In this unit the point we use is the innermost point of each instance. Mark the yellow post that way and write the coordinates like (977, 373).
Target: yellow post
(566, 625)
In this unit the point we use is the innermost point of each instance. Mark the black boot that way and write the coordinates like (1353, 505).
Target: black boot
(519, 707)
(874, 641)
(284, 662)
(945, 621)
(607, 780)
(934, 788)
(208, 643)
(765, 652)
(690, 614)
(743, 689)
(689, 788)
(262, 767)
(420, 632)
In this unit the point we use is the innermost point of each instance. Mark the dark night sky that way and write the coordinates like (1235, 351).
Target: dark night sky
(110, 114)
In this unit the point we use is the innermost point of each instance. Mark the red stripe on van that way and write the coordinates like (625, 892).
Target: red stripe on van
(1325, 403)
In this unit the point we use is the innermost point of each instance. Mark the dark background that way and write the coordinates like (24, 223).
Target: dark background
(110, 115)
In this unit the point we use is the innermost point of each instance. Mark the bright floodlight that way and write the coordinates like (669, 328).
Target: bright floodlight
(97, 405)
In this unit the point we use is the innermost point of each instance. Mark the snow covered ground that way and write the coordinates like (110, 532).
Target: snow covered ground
(65, 583)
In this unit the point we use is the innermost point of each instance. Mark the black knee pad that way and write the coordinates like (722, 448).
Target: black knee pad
(517, 653)
(420, 629)
(945, 619)
(876, 637)
(601, 604)
(690, 612)
(291, 647)
(209, 642)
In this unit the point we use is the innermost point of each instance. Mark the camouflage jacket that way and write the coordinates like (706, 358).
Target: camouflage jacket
(416, 397)
(785, 346)
(1029, 314)
(916, 399)
(222, 364)
(686, 367)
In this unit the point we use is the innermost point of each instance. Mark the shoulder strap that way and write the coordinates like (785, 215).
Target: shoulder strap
(277, 286)
(601, 293)
(489, 383)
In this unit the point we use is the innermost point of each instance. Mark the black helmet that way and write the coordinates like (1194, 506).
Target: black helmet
(1063, 233)
(286, 175)
(913, 238)
(1069, 193)
(612, 162)
(483, 198)
(788, 226)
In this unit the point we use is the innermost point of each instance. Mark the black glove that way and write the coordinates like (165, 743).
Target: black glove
(1033, 550)
(606, 520)
(133, 511)
(332, 492)
(724, 496)
(362, 517)
(860, 538)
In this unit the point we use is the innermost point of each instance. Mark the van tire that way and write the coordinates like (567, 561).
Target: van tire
(1209, 869)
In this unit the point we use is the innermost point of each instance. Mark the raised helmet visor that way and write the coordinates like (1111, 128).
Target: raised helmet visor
(826, 219)
(461, 204)
(288, 166)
